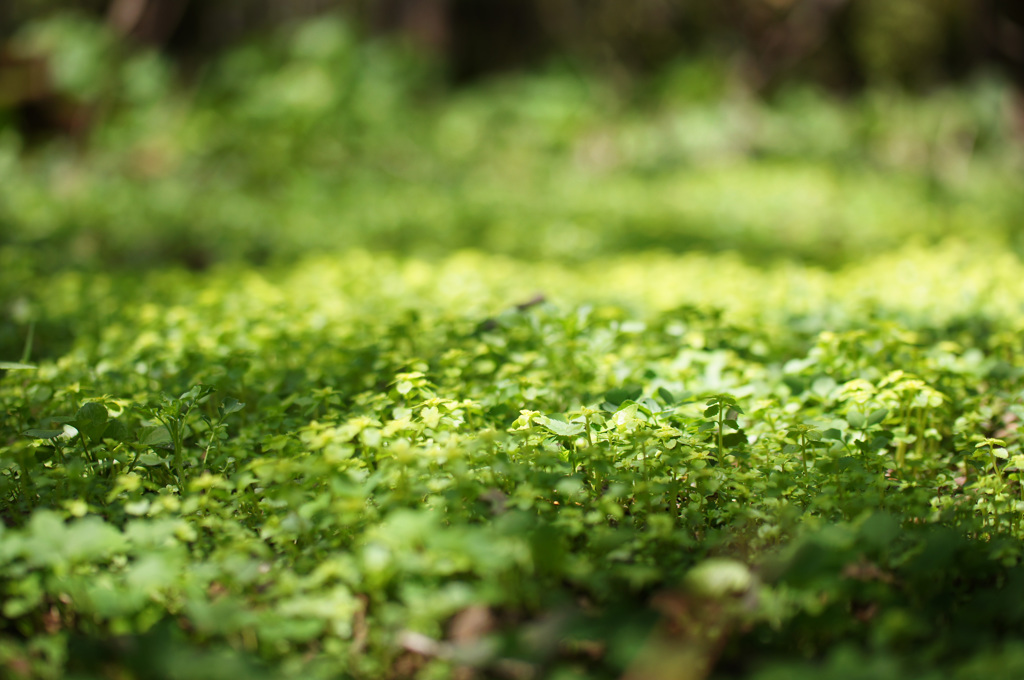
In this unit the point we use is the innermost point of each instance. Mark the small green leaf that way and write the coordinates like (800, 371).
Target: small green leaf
(877, 416)
(152, 436)
(666, 396)
(734, 439)
(711, 411)
(231, 405)
(117, 431)
(91, 420)
(43, 434)
(150, 459)
(197, 392)
(626, 416)
(856, 420)
(562, 429)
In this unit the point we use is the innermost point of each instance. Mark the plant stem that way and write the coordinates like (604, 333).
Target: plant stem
(173, 428)
(24, 479)
(995, 466)
(921, 426)
(803, 452)
(721, 421)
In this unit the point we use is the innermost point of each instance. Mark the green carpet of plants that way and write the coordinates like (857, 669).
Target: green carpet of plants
(535, 379)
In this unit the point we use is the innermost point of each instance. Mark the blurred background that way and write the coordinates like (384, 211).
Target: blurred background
(841, 44)
(142, 132)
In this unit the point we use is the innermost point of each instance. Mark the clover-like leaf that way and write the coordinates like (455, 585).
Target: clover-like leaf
(91, 420)
(559, 427)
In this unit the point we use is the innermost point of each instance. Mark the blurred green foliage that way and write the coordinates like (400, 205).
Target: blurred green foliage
(317, 139)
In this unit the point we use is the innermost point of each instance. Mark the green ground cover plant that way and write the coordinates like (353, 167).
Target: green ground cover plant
(369, 466)
(722, 389)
